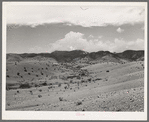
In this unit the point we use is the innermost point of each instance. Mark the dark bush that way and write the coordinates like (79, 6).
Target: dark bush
(60, 98)
(39, 96)
(59, 85)
(29, 73)
(44, 84)
(37, 85)
(79, 103)
(50, 84)
(26, 85)
(107, 71)
(7, 76)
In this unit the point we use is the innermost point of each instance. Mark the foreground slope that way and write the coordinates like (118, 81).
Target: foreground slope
(107, 87)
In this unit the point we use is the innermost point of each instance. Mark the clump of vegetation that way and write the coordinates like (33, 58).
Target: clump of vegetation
(60, 98)
(39, 96)
(8, 104)
(41, 73)
(50, 84)
(59, 85)
(50, 87)
(36, 75)
(29, 73)
(65, 87)
(79, 103)
(40, 90)
(71, 81)
(98, 79)
(18, 92)
(107, 71)
(36, 85)
(89, 79)
(44, 84)
(31, 92)
(7, 76)
(25, 85)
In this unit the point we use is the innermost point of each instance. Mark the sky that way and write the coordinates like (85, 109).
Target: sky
(47, 28)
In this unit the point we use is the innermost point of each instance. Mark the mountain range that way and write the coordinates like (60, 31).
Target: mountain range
(75, 55)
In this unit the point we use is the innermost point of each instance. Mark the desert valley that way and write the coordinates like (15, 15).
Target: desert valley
(75, 81)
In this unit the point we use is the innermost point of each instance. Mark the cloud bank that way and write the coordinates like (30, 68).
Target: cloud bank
(73, 15)
(76, 41)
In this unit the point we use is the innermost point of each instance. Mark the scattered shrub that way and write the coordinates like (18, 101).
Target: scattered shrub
(31, 92)
(60, 98)
(7, 76)
(59, 85)
(107, 71)
(79, 103)
(50, 87)
(40, 90)
(39, 96)
(17, 91)
(29, 73)
(89, 79)
(50, 84)
(36, 75)
(44, 84)
(71, 81)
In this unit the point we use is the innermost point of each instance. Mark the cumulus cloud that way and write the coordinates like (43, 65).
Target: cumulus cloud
(119, 30)
(91, 36)
(76, 41)
(97, 15)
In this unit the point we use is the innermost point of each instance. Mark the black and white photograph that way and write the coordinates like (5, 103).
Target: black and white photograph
(75, 60)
